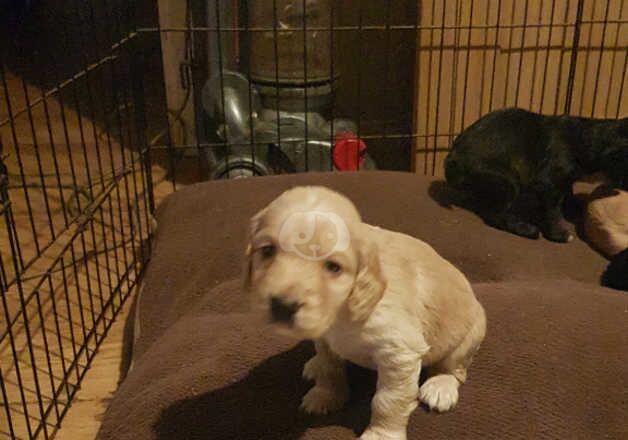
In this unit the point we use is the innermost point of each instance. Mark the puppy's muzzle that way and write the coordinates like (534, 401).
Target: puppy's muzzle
(283, 311)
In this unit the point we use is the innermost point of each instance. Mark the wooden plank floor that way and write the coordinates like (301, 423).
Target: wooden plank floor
(100, 382)
(66, 297)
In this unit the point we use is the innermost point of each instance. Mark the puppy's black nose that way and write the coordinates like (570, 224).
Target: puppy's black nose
(283, 311)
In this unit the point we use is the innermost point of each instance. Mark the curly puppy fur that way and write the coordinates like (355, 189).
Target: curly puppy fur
(380, 299)
(518, 166)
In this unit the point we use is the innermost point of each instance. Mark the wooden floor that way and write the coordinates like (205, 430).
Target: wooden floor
(76, 265)
(100, 382)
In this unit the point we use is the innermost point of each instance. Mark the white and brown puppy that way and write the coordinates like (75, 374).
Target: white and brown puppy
(380, 299)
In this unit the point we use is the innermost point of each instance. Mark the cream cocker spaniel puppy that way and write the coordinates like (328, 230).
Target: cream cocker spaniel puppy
(380, 299)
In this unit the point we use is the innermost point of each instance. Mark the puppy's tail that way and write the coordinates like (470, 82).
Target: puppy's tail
(616, 274)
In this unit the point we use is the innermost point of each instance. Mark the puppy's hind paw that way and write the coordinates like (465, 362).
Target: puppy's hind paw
(440, 392)
(320, 400)
(382, 434)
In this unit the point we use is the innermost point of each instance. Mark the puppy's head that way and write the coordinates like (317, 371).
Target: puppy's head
(309, 262)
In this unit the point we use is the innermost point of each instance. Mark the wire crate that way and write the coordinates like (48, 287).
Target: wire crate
(75, 199)
(106, 106)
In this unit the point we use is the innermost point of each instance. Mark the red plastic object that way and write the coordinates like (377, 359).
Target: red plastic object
(349, 152)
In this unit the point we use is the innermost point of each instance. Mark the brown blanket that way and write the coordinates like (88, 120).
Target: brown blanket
(552, 366)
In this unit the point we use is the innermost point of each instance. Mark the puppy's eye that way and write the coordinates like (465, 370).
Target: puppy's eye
(332, 267)
(268, 251)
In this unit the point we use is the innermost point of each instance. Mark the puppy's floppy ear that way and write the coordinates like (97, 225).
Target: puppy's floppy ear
(369, 285)
(254, 225)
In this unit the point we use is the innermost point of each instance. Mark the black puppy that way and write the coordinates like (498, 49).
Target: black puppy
(518, 166)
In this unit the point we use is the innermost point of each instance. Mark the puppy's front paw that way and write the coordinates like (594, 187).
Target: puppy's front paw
(373, 433)
(320, 400)
(440, 392)
(557, 232)
(313, 368)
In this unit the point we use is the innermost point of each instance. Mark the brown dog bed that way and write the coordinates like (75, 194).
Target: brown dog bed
(552, 365)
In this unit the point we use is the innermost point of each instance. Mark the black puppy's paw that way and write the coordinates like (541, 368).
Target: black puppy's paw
(511, 223)
(557, 233)
(524, 229)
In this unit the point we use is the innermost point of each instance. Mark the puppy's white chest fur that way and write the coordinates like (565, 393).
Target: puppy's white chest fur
(349, 341)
